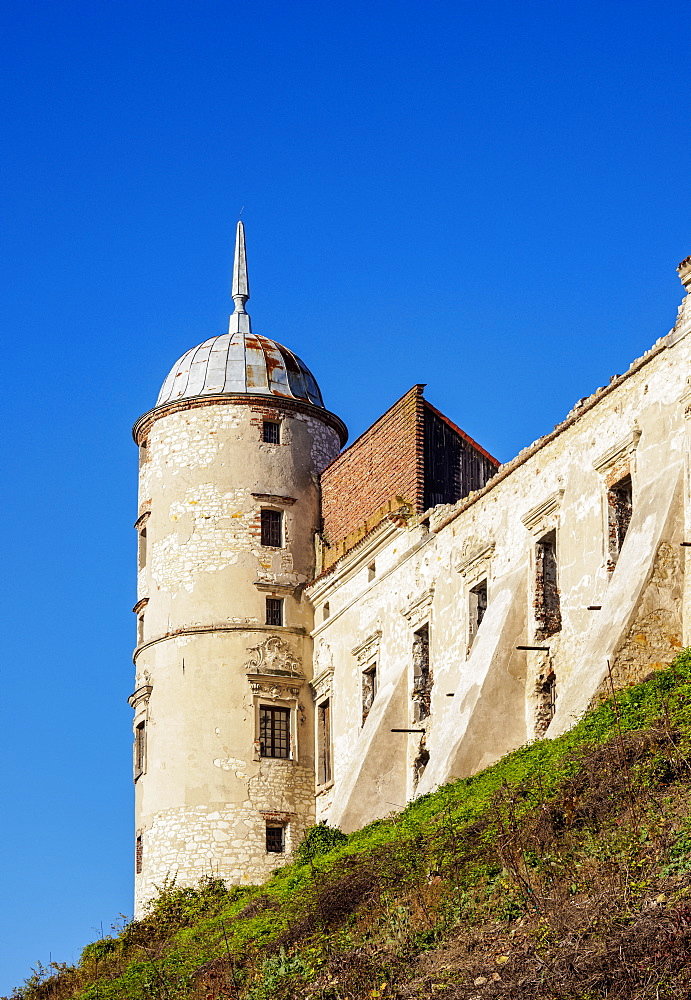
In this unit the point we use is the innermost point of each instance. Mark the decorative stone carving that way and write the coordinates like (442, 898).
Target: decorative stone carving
(543, 517)
(321, 683)
(273, 656)
(419, 610)
(368, 649)
(275, 690)
(620, 453)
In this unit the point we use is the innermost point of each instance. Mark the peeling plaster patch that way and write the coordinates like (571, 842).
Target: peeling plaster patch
(232, 764)
(182, 640)
(215, 541)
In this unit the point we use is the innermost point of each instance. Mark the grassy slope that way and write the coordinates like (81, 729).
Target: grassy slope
(562, 871)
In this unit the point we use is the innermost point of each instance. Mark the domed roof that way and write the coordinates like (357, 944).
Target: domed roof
(240, 361)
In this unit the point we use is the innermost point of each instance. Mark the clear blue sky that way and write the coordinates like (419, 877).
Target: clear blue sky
(489, 197)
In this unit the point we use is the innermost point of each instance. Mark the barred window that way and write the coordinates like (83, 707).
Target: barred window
(272, 524)
(274, 611)
(274, 731)
(275, 839)
(271, 432)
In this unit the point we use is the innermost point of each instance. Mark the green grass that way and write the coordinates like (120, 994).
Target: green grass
(547, 828)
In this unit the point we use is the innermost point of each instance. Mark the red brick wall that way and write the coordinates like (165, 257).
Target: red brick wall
(385, 462)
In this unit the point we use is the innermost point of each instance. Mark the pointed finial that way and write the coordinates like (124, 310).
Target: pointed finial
(241, 286)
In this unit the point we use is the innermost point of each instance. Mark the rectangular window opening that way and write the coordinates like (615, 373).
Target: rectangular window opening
(546, 701)
(271, 432)
(477, 605)
(139, 750)
(422, 675)
(272, 528)
(142, 548)
(369, 690)
(138, 854)
(547, 604)
(140, 628)
(323, 743)
(371, 572)
(619, 511)
(275, 839)
(274, 611)
(326, 611)
(274, 731)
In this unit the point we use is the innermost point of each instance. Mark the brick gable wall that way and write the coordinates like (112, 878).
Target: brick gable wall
(385, 462)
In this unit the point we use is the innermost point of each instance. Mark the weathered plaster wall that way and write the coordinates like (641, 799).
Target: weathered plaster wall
(206, 660)
(488, 696)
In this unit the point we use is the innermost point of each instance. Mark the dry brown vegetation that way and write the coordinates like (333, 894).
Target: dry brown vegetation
(563, 873)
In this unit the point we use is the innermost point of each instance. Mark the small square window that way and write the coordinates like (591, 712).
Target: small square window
(274, 611)
(271, 528)
(271, 432)
(275, 839)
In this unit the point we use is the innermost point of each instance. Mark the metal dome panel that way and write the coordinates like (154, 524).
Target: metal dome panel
(240, 362)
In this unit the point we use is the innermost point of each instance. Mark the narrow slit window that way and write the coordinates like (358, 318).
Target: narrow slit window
(546, 604)
(369, 690)
(323, 743)
(371, 572)
(275, 839)
(274, 731)
(271, 432)
(477, 605)
(422, 676)
(142, 547)
(326, 611)
(619, 511)
(138, 854)
(274, 610)
(139, 750)
(272, 528)
(140, 628)
(546, 702)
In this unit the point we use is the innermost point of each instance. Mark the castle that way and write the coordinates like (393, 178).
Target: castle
(324, 634)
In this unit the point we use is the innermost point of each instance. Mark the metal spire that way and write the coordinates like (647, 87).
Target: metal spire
(240, 321)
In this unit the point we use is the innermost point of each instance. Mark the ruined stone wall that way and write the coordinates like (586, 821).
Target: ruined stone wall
(490, 695)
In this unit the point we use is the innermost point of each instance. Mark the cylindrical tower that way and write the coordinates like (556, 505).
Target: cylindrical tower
(228, 506)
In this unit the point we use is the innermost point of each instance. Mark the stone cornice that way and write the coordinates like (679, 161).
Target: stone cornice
(203, 629)
(142, 694)
(535, 518)
(419, 609)
(618, 451)
(470, 560)
(275, 498)
(142, 426)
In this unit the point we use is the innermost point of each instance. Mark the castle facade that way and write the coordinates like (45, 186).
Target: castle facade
(324, 634)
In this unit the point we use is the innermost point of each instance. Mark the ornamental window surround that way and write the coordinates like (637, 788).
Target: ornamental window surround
(140, 703)
(276, 681)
